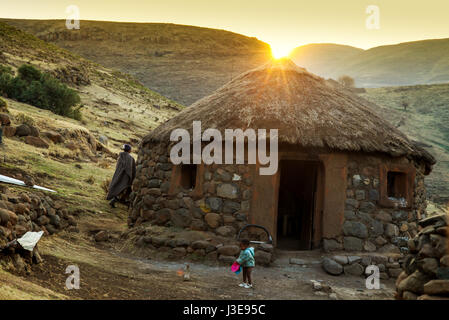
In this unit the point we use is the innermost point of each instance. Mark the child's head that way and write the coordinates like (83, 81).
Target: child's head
(244, 243)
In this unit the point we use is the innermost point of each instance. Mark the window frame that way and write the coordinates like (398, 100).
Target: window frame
(176, 177)
(409, 180)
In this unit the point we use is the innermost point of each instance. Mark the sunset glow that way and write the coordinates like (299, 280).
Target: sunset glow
(281, 51)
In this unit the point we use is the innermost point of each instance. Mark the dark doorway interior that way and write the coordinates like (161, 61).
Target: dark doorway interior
(296, 204)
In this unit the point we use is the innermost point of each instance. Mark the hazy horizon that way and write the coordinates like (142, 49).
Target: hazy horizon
(283, 24)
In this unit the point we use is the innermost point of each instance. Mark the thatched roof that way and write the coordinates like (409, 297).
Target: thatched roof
(307, 110)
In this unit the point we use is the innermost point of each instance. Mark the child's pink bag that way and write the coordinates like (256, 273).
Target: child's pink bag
(236, 268)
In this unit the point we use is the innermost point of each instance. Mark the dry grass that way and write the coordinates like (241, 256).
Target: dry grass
(105, 185)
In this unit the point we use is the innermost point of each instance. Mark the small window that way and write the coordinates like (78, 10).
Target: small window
(188, 176)
(396, 184)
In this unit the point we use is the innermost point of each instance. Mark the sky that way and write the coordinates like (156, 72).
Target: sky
(284, 24)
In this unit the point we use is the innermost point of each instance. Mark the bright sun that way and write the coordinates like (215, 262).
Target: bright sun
(280, 51)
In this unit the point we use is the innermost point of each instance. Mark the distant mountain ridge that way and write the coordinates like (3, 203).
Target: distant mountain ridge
(408, 63)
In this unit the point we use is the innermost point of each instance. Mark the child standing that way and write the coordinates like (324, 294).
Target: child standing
(246, 260)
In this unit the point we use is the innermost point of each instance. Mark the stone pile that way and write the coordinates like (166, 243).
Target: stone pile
(20, 213)
(426, 267)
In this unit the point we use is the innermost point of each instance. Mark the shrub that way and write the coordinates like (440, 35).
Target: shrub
(3, 106)
(6, 69)
(24, 119)
(29, 73)
(346, 81)
(40, 90)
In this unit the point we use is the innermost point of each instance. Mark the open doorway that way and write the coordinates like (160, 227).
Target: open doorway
(296, 204)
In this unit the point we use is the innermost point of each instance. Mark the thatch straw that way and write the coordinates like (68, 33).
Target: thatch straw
(306, 109)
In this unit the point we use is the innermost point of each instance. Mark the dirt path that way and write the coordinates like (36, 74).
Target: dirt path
(107, 274)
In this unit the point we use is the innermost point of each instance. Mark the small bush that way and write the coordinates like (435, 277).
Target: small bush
(346, 81)
(3, 106)
(40, 90)
(90, 180)
(22, 118)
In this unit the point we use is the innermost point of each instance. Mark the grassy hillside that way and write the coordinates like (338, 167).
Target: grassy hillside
(117, 109)
(426, 120)
(115, 104)
(410, 63)
(184, 63)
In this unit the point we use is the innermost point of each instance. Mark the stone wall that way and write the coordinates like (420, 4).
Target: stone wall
(218, 206)
(368, 226)
(220, 202)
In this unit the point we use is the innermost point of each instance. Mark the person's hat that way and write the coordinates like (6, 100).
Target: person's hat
(126, 147)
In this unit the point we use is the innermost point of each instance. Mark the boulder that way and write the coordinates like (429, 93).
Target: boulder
(214, 203)
(4, 216)
(353, 244)
(356, 229)
(179, 251)
(231, 206)
(161, 217)
(228, 250)
(181, 218)
(228, 190)
(414, 282)
(226, 231)
(391, 230)
(36, 142)
(43, 220)
(53, 137)
(332, 267)
(213, 219)
(354, 269)
(439, 218)
(428, 265)
(226, 259)
(202, 244)
(331, 245)
(9, 131)
(341, 259)
(101, 236)
(23, 130)
(262, 258)
(34, 132)
(437, 287)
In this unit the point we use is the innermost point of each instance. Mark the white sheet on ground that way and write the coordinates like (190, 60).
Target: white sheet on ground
(29, 240)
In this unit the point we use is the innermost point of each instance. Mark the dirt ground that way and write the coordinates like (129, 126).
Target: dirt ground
(105, 273)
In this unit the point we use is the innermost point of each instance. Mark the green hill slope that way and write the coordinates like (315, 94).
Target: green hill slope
(184, 63)
(425, 120)
(409, 63)
(323, 59)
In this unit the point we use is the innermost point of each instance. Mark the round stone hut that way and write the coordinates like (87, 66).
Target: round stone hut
(346, 179)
